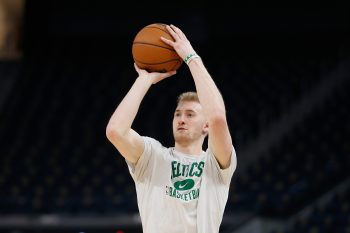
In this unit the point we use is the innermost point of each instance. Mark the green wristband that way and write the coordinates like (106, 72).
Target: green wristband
(190, 57)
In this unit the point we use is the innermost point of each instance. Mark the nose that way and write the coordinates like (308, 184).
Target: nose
(181, 121)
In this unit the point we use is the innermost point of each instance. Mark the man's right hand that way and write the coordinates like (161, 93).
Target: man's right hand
(154, 76)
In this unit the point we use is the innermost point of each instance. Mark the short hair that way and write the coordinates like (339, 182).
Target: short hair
(188, 96)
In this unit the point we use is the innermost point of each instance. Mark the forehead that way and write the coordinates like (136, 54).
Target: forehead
(189, 106)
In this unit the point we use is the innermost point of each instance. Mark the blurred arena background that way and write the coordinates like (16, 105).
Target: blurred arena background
(65, 65)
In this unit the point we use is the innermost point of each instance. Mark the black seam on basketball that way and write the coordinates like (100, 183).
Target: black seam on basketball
(154, 45)
(171, 60)
(176, 65)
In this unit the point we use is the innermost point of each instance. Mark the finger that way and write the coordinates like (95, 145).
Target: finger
(169, 42)
(165, 75)
(171, 73)
(168, 74)
(177, 30)
(172, 32)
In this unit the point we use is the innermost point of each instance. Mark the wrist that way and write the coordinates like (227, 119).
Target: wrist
(190, 57)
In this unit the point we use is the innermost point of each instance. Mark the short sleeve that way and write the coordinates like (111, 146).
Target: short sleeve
(224, 175)
(147, 160)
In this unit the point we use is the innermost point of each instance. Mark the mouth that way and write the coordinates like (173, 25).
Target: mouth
(180, 129)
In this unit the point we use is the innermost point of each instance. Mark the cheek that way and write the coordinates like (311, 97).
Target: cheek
(198, 124)
(202, 124)
(174, 123)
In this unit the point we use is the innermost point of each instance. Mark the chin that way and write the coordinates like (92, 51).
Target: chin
(180, 138)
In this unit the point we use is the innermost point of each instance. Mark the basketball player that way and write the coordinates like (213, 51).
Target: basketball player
(181, 189)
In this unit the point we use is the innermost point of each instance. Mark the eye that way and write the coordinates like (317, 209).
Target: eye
(177, 114)
(189, 114)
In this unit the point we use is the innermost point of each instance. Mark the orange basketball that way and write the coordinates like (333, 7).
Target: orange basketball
(151, 53)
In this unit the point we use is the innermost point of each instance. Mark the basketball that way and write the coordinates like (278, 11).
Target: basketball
(151, 53)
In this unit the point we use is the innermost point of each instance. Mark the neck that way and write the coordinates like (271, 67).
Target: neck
(192, 148)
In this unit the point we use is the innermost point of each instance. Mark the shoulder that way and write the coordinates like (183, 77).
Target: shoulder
(152, 141)
(214, 170)
(233, 158)
(152, 144)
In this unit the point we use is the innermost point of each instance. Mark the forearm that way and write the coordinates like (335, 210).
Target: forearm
(208, 93)
(126, 111)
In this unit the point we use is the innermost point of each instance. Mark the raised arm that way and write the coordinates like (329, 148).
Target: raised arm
(119, 132)
(209, 96)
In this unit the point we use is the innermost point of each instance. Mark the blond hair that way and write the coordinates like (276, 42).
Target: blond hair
(188, 96)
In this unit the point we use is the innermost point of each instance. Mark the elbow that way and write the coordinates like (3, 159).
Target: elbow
(112, 134)
(217, 117)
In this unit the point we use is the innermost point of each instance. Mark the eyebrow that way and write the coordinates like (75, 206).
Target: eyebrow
(186, 110)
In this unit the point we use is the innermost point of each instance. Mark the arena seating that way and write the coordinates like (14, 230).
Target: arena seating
(332, 216)
(311, 160)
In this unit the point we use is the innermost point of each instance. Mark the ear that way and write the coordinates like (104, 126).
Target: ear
(205, 130)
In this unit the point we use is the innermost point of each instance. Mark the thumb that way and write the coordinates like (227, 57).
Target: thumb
(163, 76)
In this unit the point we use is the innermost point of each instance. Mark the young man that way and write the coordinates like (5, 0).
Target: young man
(181, 189)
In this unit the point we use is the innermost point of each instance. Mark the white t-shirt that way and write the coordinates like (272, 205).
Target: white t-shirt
(180, 193)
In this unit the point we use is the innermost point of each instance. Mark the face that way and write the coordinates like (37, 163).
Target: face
(189, 123)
